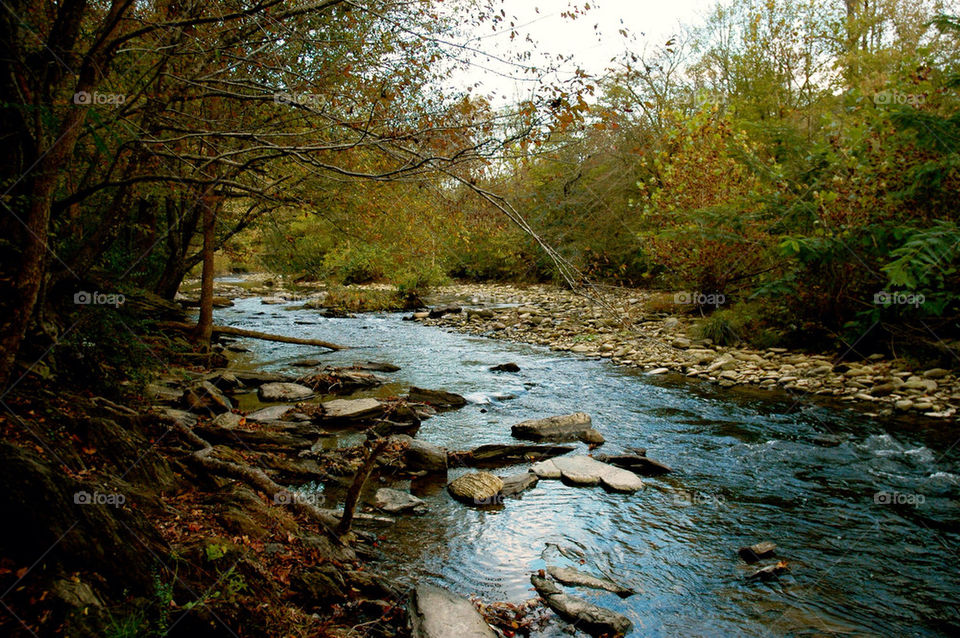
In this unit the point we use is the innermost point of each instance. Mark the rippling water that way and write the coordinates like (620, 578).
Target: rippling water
(864, 511)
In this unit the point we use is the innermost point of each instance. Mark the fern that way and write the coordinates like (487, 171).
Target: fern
(926, 258)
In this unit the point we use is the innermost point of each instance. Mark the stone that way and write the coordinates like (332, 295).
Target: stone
(437, 613)
(284, 392)
(253, 378)
(351, 409)
(476, 488)
(438, 312)
(423, 456)
(206, 398)
(160, 393)
(656, 371)
(506, 367)
(376, 366)
(567, 427)
(583, 470)
(754, 553)
(636, 463)
(496, 454)
(935, 373)
(576, 578)
(269, 413)
(585, 616)
(592, 438)
(516, 483)
(227, 420)
(580, 348)
(439, 399)
(396, 501)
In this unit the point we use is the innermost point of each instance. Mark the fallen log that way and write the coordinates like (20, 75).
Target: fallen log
(253, 334)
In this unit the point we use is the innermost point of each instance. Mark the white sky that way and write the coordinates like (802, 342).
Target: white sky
(649, 23)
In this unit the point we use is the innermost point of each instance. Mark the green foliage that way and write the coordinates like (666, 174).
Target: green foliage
(754, 323)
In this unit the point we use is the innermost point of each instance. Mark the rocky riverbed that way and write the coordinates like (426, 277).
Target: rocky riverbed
(623, 331)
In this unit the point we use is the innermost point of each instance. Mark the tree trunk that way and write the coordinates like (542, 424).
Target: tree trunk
(204, 329)
(353, 494)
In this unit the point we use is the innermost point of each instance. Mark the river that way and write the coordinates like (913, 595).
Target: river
(865, 512)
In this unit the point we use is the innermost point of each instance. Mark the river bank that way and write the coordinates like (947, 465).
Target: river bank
(627, 334)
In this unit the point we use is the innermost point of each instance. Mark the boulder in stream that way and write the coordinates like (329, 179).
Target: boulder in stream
(506, 367)
(498, 454)
(477, 488)
(516, 483)
(395, 501)
(576, 578)
(583, 470)
(439, 399)
(284, 392)
(424, 456)
(586, 616)
(566, 427)
(437, 613)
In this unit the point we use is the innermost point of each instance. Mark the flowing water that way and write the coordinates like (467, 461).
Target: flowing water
(864, 511)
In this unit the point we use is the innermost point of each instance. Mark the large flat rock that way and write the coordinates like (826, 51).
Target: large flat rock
(437, 613)
(564, 427)
(284, 392)
(351, 409)
(270, 413)
(494, 454)
(439, 399)
(583, 470)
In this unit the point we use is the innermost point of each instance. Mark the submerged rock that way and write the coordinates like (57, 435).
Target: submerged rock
(375, 366)
(477, 488)
(437, 613)
(636, 463)
(577, 578)
(583, 470)
(506, 367)
(754, 553)
(586, 616)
